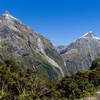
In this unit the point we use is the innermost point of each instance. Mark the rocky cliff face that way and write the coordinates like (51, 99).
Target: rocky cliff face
(28, 48)
(79, 55)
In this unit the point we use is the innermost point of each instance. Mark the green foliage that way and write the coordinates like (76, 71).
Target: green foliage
(16, 85)
(80, 85)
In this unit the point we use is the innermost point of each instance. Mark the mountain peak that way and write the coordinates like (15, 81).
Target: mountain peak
(89, 34)
(7, 15)
(6, 12)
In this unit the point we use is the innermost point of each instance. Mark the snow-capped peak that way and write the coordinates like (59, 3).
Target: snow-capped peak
(8, 16)
(90, 35)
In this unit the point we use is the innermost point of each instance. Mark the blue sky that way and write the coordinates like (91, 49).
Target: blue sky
(61, 21)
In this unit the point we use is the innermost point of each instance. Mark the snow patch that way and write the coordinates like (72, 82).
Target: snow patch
(8, 16)
(97, 38)
(90, 35)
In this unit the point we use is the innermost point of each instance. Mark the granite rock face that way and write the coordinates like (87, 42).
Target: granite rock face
(28, 48)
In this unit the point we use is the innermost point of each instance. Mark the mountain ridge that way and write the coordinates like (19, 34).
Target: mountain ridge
(28, 48)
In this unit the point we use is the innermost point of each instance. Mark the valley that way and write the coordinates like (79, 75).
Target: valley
(32, 68)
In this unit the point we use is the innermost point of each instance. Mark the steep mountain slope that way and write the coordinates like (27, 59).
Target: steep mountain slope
(79, 55)
(28, 48)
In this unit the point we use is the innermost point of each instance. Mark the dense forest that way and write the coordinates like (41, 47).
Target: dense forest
(29, 85)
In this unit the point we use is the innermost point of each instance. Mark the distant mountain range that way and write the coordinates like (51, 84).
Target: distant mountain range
(28, 48)
(79, 55)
